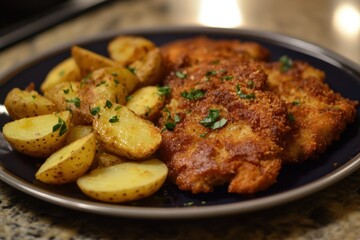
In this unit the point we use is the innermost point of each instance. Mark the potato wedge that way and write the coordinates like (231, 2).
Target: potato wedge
(69, 163)
(128, 49)
(89, 61)
(120, 131)
(150, 69)
(38, 136)
(146, 102)
(65, 71)
(125, 181)
(77, 132)
(65, 95)
(23, 103)
(104, 159)
(103, 84)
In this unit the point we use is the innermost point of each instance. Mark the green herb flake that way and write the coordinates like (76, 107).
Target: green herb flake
(131, 69)
(76, 101)
(177, 118)
(285, 63)
(33, 96)
(128, 97)
(188, 204)
(62, 73)
(296, 102)
(211, 118)
(60, 125)
(194, 94)
(219, 124)
(116, 81)
(227, 78)
(249, 96)
(114, 119)
(117, 108)
(180, 75)
(66, 91)
(291, 117)
(170, 126)
(101, 83)
(94, 111)
(114, 74)
(108, 104)
(164, 91)
(251, 84)
(208, 74)
(203, 135)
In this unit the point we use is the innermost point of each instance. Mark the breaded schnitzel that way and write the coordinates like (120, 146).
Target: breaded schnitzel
(317, 114)
(222, 127)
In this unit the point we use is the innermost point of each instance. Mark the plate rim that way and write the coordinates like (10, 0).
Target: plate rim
(200, 211)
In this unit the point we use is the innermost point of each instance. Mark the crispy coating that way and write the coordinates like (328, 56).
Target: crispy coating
(244, 152)
(317, 114)
(189, 52)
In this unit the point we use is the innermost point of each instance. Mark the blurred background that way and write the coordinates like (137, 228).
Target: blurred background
(28, 27)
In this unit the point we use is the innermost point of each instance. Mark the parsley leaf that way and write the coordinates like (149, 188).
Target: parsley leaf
(180, 75)
(128, 97)
(60, 125)
(219, 124)
(170, 126)
(194, 94)
(131, 69)
(164, 91)
(75, 101)
(243, 95)
(286, 63)
(114, 119)
(210, 119)
(94, 111)
(108, 104)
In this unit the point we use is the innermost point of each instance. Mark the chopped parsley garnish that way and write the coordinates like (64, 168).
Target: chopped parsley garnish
(227, 78)
(128, 97)
(208, 74)
(85, 79)
(94, 111)
(194, 94)
(296, 102)
(33, 96)
(170, 126)
(210, 120)
(62, 73)
(60, 125)
(66, 91)
(243, 95)
(75, 101)
(250, 84)
(116, 81)
(164, 91)
(117, 108)
(114, 119)
(100, 83)
(286, 63)
(203, 135)
(177, 118)
(180, 75)
(131, 69)
(108, 104)
(291, 117)
(114, 74)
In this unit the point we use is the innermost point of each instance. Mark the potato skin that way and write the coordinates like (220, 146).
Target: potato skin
(128, 49)
(89, 61)
(124, 182)
(35, 136)
(120, 131)
(65, 71)
(146, 102)
(69, 163)
(23, 103)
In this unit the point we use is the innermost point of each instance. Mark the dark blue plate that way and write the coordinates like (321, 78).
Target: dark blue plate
(294, 182)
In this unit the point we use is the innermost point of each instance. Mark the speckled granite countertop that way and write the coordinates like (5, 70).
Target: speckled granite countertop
(333, 213)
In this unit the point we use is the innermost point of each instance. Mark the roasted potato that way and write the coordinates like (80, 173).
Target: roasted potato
(69, 163)
(146, 102)
(150, 69)
(104, 159)
(104, 84)
(66, 71)
(125, 181)
(89, 61)
(38, 136)
(128, 49)
(23, 103)
(78, 132)
(65, 95)
(120, 131)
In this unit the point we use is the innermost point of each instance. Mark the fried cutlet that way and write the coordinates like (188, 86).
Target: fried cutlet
(317, 114)
(222, 127)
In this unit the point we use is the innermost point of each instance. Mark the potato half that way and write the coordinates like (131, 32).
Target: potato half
(125, 181)
(23, 103)
(38, 136)
(120, 131)
(69, 163)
